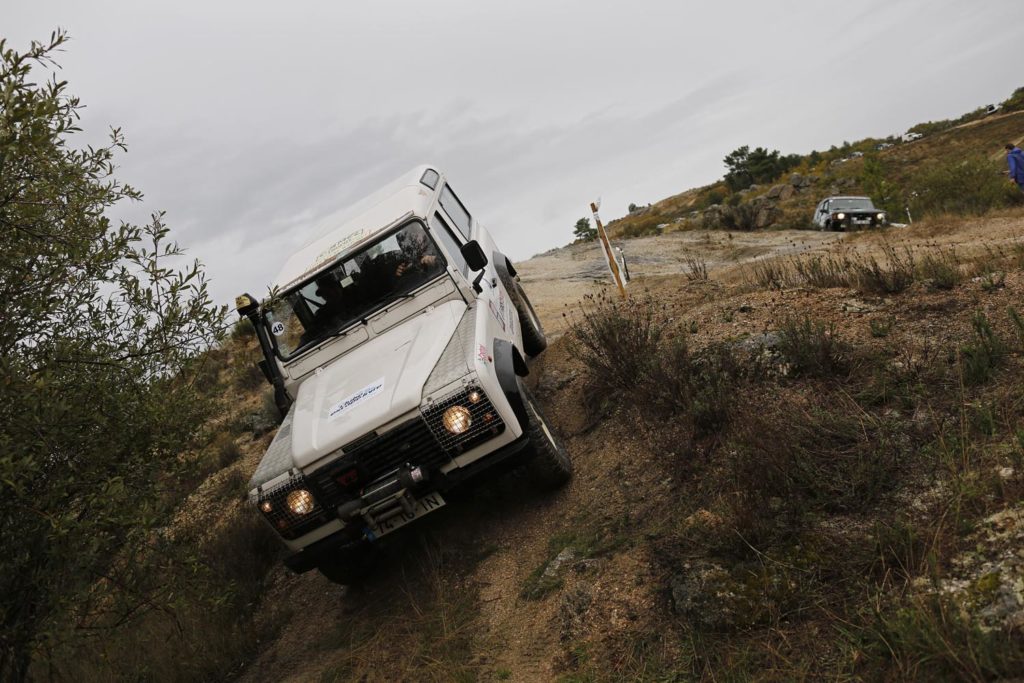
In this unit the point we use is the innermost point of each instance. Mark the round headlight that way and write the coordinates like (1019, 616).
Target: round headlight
(266, 506)
(880, 216)
(840, 216)
(456, 419)
(300, 502)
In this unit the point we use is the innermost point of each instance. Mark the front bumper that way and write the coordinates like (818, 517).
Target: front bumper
(352, 535)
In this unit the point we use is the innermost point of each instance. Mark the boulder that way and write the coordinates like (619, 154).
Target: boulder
(776, 191)
(797, 180)
(786, 192)
(765, 217)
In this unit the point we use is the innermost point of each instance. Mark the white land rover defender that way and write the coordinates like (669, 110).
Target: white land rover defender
(395, 343)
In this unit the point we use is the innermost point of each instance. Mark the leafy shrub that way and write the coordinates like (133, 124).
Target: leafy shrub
(242, 329)
(711, 198)
(100, 338)
(973, 186)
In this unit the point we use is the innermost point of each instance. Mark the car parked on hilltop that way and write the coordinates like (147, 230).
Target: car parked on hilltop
(841, 213)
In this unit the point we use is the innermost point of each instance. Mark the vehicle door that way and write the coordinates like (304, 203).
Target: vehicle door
(820, 213)
(452, 213)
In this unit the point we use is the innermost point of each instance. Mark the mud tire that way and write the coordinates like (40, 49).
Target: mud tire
(350, 565)
(551, 466)
(534, 340)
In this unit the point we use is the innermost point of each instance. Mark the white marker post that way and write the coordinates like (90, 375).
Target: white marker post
(609, 256)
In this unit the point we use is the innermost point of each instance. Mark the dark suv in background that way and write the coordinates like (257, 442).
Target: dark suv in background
(842, 213)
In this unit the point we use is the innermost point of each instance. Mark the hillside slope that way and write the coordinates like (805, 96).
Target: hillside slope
(683, 554)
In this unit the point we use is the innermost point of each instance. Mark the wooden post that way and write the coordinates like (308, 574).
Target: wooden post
(613, 265)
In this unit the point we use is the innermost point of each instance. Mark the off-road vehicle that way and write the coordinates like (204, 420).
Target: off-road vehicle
(841, 213)
(396, 343)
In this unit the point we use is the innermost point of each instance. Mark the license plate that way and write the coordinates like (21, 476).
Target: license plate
(424, 505)
(861, 221)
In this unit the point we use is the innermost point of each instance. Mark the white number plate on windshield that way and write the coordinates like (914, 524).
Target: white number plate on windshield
(424, 505)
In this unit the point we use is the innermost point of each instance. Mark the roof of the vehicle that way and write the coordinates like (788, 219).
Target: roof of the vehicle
(850, 196)
(345, 229)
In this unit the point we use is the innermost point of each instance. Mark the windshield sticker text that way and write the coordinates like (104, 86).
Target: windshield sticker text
(347, 404)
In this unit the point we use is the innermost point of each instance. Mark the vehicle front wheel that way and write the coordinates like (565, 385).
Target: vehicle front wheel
(551, 466)
(534, 340)
(351, 564)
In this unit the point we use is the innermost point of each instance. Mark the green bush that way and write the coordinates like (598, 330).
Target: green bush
(99, 341)
(973, 186)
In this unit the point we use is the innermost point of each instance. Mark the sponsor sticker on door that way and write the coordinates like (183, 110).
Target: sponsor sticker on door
(361, 396)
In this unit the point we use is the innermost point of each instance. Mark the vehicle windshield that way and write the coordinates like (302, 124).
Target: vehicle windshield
(354, 287)
(851, 204)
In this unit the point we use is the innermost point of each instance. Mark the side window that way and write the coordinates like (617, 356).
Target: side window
(446, 237)
(430, 178)
(455, 210)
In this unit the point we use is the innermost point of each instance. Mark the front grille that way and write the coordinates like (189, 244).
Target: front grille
(420, 441)
(486, 423)
(410, 442)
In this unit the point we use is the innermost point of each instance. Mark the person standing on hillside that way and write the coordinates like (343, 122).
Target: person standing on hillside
(1015, 159)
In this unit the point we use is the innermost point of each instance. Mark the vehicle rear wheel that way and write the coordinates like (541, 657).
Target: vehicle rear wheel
(534, 340)
(351, 564)
(551, 466)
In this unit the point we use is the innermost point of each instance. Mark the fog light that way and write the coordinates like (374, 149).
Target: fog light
(300, 502)
(474, 396)
(266, 506)
(457, 419)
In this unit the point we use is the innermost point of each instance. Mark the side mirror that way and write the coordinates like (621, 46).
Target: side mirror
(474, 255)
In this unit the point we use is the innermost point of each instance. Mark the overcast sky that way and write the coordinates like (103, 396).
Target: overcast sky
(248, 121)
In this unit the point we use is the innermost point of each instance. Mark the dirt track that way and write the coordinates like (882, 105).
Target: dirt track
(561, 277)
